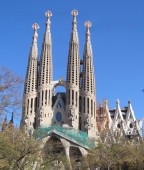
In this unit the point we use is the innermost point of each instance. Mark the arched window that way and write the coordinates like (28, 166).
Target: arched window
(131, 125)
(118, 125)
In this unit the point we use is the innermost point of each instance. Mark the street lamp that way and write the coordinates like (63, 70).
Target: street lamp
(78, 164)
(57, 165)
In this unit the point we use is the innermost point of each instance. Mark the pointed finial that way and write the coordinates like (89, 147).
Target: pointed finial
(48, 14)
(129, 102)
(105, 101)
(35, 26)
(88, 24)
(117, 101)
(74, 12)
(61, 79)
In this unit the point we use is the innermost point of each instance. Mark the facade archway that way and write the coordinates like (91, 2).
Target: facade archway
(60, 82)
(59, 102)
(53, 154)
(58, 89)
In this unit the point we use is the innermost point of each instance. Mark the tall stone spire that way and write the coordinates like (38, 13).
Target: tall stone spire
(88, 96)
(45, 75)
(30, 87)
(74, 33)
(73, 71)
(44, 115)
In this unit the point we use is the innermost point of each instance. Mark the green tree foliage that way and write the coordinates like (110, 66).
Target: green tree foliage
(53, 155)
(115, 152)
(17, 150)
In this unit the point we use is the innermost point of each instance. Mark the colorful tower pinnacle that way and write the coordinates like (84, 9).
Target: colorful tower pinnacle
(30, 87)
(73, 71)
(88, 96)
(44, 114)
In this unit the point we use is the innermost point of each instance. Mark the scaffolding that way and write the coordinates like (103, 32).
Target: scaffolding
(76, 136)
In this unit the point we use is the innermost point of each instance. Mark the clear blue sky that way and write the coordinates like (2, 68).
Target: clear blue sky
(117, 37)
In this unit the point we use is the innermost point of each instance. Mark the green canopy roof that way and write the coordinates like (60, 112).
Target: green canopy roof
(76, 136)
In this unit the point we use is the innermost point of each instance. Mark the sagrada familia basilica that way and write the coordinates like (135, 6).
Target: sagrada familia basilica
(72, 116)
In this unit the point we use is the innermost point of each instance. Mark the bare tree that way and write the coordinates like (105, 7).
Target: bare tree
(10, 91)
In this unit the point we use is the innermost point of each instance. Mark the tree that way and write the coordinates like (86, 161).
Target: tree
(115, 151)
(53, 155)
(10, 91)
(17, 150)
(137, 162)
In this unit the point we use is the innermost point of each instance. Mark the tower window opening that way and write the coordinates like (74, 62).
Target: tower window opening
(31, 103)
(42, 97)
(72, 97)
(131, 125)
(84, 104)
(27, 106)
(46, 97)
(88, 105)
(92, 107)
(49, 97)
(38, 99)
(80, 104)
(76, 99)
(118, 125)
(35, 105)
(69, 97)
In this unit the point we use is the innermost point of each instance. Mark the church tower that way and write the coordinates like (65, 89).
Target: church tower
(44, 111)
(88, 94)
(73, 71)
(30, 86)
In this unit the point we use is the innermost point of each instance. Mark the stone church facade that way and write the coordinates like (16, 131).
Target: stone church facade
(75, 108)
(71, 116)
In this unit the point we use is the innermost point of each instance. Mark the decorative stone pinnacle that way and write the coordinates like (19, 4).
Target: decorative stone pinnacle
(106, 101)
(48, 14)
(35, 26)
(88, 24)
(74, 12)
(61, 79)
(117, 101)
(129, 102)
